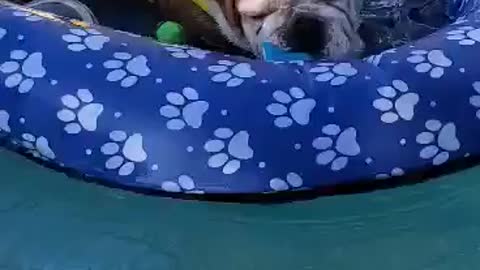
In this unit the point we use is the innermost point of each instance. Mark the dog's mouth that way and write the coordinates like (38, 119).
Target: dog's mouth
(305, 32)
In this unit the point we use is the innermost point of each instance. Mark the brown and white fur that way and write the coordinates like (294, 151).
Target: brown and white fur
(327, 28)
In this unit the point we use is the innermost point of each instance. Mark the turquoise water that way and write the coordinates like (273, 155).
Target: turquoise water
(49, 221)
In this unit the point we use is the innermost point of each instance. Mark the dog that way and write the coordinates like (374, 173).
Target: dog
(324, 28)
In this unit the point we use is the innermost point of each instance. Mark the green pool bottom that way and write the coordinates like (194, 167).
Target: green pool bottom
(49, 221)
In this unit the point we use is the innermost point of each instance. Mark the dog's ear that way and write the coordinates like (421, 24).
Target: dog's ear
(256, 8)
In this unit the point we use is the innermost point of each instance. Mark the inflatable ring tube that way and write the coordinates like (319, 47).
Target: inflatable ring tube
(125, 110)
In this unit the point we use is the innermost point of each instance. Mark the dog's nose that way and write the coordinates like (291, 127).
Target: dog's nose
(306, 33)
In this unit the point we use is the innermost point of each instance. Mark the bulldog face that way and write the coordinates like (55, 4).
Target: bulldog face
(326, 28)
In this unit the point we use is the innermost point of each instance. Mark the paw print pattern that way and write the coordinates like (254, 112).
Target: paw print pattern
(293, 181)
(184, 109)
(396, 172)
(433, 61)
(465, 35)
(290, 107)
(336, 74)
(4, 121)
(439, 140)
(231, 73)
(396, 102)
(460, 20)
(79, 112)
(22, 70)
(336, 147)
(3, 33)
(37, 147)
(124, 151)
(184, 184)
(377, 58)
(79, 39)
(126, 68)
(34, 15)
(27, 15)
(475, 99)
(228, 150)
(186, 52)
(300, 63)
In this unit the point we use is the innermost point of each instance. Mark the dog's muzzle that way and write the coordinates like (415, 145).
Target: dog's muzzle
(306, 32)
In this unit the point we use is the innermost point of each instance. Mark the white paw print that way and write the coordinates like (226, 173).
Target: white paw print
(34, 15)
(336, 74)
(186, 52)
(79, 112)
(396, 102)
(37, 146)
(460, 20)
(4, 121)
(290, 107)
(3, 33)
(184, 184)
(124, 151)
(27, 15)
(23, 69)
(433, 61)
(475, 99)
(396, 172)
(292, 62)
(293, 181)
(184, 109)
(336, 147)
(465, 35)
(377, 58)
(232, 73)
(228, 150)
(79, 39)
(127, 69)
(439, 140)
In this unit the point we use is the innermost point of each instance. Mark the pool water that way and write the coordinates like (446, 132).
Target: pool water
(49, 221)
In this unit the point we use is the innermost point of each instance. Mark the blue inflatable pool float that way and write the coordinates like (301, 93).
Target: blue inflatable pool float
(128, 112)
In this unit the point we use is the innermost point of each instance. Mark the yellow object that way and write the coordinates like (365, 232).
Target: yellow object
(80, 24)
(202, 4)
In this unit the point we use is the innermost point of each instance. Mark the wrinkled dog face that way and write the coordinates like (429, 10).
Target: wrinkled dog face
(327, 28)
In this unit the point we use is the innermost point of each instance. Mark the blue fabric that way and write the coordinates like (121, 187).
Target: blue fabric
(131, 112)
